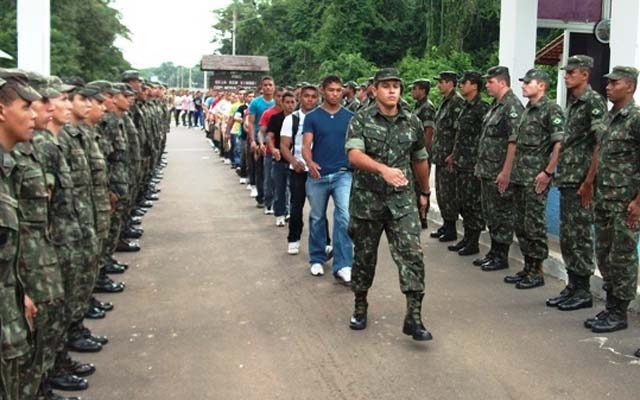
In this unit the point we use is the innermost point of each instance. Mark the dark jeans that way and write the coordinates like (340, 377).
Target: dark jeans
(177, 116)
(243, 157)
(280, 174)
(297, 184)
(258, 169)
(185, 114)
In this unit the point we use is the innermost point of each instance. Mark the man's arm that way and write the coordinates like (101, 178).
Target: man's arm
(543, 179)
(314, 168)
(393, 176)
(503, 178)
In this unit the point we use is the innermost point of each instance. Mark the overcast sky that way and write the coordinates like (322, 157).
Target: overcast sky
(167, 30)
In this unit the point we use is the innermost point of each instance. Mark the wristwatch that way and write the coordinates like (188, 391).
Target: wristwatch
(549, 174)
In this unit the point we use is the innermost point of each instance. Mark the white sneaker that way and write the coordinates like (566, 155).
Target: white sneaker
(328, 250)
(280, 221)
(316, 269)
(344, 274)
(243, 181)
(268, 211)
(293, 248)
(222, 160)
(249, 186)
(254, 192)
(227, 161)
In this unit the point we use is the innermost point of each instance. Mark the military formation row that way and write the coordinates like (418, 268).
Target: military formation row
(79, 167)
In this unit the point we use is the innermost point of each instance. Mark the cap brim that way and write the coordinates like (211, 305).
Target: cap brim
(64, 88)
(613, 76)
(49, 93)
(27, 93)
(569, 67)
(389, 78)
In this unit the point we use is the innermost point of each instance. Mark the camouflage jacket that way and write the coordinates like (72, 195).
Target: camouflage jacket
(618, 172)
(445, 134)
(73, 144)
(37, 261)
(14, 331)
(111, 130)
(426, 113)
(135, 155)
(541, 125)
(352, 105)
(499, 127)
(139, 121)
(63, 216)
(585, 122)
(395, 142)
(468, 128)
(99, 180)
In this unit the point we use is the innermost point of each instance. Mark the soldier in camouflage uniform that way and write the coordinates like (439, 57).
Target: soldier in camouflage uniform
(463, 158)
(584, 124)
(496, 150)
(16, 309)
(538, 143)
(426, 113)
(385, 145)
(350, 101)
(38, 266)
(617, 206)
(66, 234)
(442, 147)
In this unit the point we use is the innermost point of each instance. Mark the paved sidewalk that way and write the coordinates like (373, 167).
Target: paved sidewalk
(215, 309)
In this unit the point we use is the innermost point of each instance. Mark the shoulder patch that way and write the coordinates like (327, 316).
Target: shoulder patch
(595, 111)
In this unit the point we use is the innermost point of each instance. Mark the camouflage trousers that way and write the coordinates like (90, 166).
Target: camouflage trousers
(576, 233)
(403, 235)
(497, 210)
(446, 193)
(79, 262)
(10, 377)
(115, 228)
(617, 252)
(49, 332)
(531, 221)
(469, 201)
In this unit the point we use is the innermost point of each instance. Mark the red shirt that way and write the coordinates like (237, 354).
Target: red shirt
(264, 120)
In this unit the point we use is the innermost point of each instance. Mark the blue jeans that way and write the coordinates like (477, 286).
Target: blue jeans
(268, 181)
(280, 173)
(338, 186)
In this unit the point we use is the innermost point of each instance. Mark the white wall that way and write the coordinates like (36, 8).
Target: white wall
(34, 35)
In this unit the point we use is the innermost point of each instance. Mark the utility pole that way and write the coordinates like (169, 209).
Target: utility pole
(233, 29)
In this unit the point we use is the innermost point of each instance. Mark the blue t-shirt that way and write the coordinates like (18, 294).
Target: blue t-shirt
(329, 135)
(258, 106)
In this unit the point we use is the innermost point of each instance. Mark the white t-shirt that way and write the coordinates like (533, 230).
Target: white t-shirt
(287, 126)
(177, 102)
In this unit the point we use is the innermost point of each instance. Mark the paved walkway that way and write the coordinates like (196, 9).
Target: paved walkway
(215, 309)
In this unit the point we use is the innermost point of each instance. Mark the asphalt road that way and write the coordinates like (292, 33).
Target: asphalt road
(215, 309)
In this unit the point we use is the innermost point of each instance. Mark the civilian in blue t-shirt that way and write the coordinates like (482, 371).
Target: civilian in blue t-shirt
(324, 133)
(256, 108)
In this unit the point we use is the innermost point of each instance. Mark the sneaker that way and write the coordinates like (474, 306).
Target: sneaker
(328, 250)
(259, 205)
(249, 186)
(254, 192)
(293, 248)
(243, 181)
(344, 274)
(280, 221)
(268, 211)
(316, 269)
(227, 161)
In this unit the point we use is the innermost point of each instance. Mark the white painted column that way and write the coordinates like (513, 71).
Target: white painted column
(34, 35)
(625, 34)
(518, 23)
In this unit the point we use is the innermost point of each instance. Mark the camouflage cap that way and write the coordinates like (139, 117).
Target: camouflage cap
(421, 83)
(446, 75)
(130, 75)
(351, 84)
(471, 76)
(104, 86)
(20, 83)
(40, 84)
(623, 72)
(387, 74)
(578, 61)
(370, 80)
(535, 74)
(56, 83)
(124, 88)
(498, 70)
(84, 90)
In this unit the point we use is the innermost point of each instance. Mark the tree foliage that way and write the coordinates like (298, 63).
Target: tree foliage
(305, 39)
(82, 37)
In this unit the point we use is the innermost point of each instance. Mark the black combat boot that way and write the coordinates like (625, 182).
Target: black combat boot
(456, 247)
(500, 258)
(358, 320)
(413, 320)
(615, 320)
(518, 276)
(581, 298)
(471, 246)
(450, 234)
(535, 277)
(566, 293)
(637, 353)
(489, 256)
(438, 232)
(588, 323)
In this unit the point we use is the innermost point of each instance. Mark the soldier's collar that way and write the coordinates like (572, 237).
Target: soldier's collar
(477, 99)
(624, 111)
(375, 109)
(7, 162)
(584, 93)
(543, 100)
(507, 95)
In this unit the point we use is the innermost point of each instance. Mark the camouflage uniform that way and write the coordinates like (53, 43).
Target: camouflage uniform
(352, 104)
(137, 161)
(15, 337)
(541, 126)
(441, 148)
(38, 267)
(375, 206)
(498, 129)
(585, 122)
(465, 154)
(426, 113)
